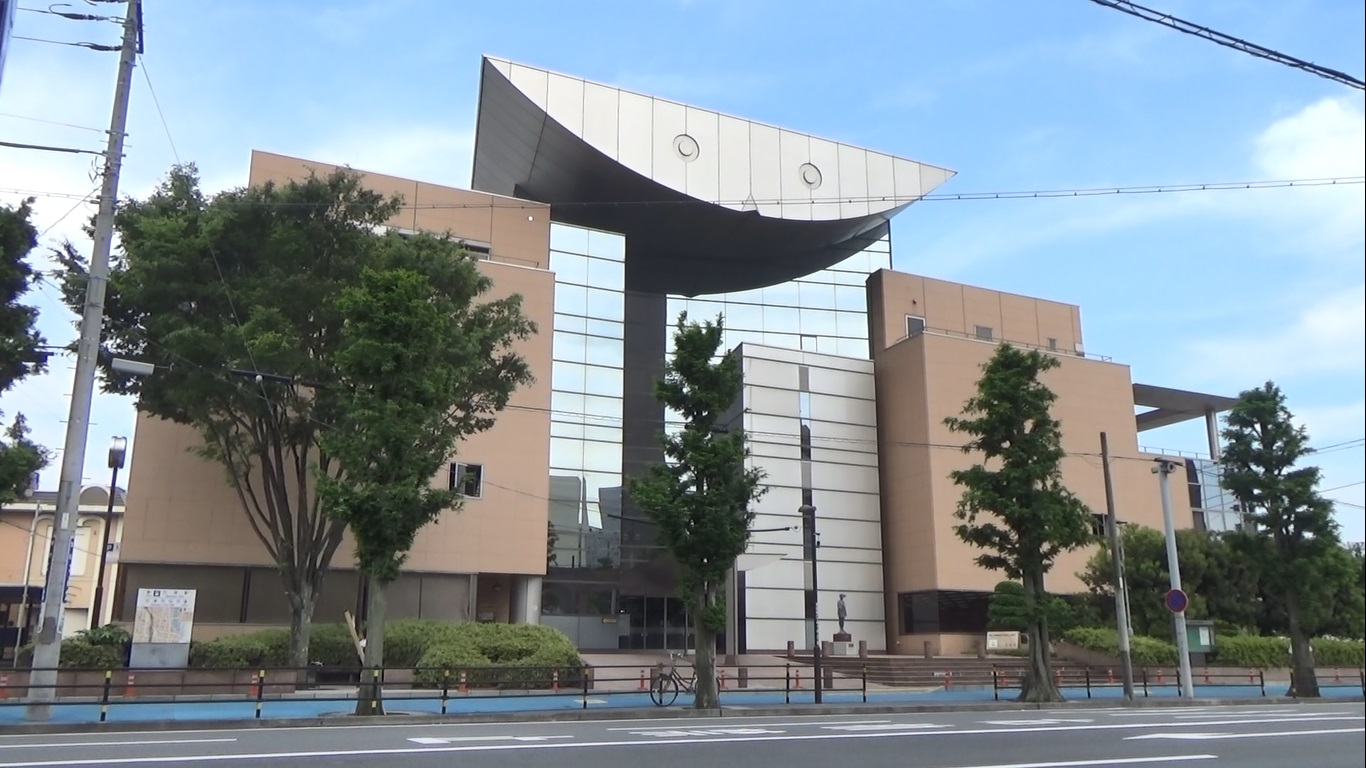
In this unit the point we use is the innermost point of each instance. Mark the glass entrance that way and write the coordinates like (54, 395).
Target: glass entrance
(657, 623)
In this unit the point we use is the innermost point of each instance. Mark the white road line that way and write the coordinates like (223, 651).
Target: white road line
(230, 757)
(1249, 735)
(1038, 721)
(140, 743)
(437, 740)
(702, 721)
(884, 726)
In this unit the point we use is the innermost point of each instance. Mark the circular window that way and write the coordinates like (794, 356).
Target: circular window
(811, 175)
(686, 147)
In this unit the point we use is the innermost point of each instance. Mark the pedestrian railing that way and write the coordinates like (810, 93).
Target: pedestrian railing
(255, 692)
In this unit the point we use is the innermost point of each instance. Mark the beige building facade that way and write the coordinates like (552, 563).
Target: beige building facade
(930, 339)
(186, 527)
(26, 550)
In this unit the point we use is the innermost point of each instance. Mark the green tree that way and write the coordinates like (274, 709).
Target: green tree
(1221, 583)
(1261, 469)
(21, 346)
(420, 367)
(700, 496)
(246, 279)
(1006, 609)
(1014, 505)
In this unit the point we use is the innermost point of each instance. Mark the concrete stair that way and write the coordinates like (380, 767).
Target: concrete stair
(912, 671)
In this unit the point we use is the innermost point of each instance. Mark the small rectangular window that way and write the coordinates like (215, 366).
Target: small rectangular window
(1052, 344)
(1098, 526)
(984, 333)
(915, 325)
(467, 479)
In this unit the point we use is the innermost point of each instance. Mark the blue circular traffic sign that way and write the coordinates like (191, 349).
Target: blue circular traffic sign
(1176, 601)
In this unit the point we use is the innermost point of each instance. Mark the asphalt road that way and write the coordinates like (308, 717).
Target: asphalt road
(1326, 735)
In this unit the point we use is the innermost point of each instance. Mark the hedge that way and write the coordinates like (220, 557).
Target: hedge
(99, 648)
(1274, 652)
(524, 656)
(1145, 651)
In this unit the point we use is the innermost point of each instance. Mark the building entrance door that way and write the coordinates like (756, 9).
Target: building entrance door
(657, 623)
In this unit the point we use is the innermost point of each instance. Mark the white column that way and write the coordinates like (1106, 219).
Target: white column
(1212, 432)
(528, 599)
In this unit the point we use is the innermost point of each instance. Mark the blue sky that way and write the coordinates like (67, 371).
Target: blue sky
(1217, 291)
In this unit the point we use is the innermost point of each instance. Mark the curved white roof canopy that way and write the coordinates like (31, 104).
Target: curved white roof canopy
(708, 202)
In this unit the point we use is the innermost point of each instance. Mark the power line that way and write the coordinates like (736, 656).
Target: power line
(157, 103)
(50, 122)
(1042, 194)
(47, 148)
(1228, 41)
(1341, 487)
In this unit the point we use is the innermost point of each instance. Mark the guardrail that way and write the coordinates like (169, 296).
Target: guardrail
(251, 693)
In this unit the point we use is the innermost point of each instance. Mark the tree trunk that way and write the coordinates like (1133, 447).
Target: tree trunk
(370, 694)
(1304, 682)
(302, 601)
(705, 695)
(1038, 686)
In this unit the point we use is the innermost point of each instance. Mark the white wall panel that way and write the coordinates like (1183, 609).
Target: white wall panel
(853, 181)
(704, 174)
(843, 477)
(532, 82)
(846, 409)
(907, 176)
(796, 195)
(774, 603)
(670, 120)
(847, 506)
(787, 574)
(764, 167)
(564, 102)
(634, 132)
(772, 635)
(840, 533)
(733, 143)
(600, 118)
(851, 382)
(881, 181)
(826, 157)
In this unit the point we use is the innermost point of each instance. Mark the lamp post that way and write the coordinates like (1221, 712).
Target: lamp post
(812, 545)
(118, 450)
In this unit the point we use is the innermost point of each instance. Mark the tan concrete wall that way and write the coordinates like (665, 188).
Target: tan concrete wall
(181, 509)
(15, 523)
(958, 309)
(924, 379)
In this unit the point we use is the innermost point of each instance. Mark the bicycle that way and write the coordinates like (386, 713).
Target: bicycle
(664, 689)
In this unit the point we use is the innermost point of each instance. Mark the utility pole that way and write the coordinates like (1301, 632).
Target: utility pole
(47, 649)
(1164, 469)
(1117, 562)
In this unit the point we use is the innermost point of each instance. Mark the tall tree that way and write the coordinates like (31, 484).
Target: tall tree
(246, 279)
(21, 345)
(421, 366)
(1014, 505)
(700, 496)
(1262, 469)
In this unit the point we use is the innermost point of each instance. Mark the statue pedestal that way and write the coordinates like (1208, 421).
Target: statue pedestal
(843, 637)
(843, 644)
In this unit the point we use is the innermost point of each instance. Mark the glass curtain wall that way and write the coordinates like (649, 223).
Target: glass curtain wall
(825, 312)
(1213, 504)
(583, 544)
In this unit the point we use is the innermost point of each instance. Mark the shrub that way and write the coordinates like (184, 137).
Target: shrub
(80, 653)
(331, 646)
(1252, 651)
(406, 641)
(500, 656)
(267, 648)
(1335, 652)
(1145, 651)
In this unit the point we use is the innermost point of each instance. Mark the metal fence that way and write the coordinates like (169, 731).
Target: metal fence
(259, 690)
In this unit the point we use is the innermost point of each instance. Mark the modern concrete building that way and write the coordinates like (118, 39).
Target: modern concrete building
(26, 551)
(610, 212)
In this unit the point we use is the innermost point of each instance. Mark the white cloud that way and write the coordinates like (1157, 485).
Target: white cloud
(1325, 337)
(433, 153)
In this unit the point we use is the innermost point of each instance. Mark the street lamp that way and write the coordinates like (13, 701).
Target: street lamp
(118, 450)
(812, 545)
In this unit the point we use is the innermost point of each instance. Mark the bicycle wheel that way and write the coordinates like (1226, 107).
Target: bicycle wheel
(664, 691)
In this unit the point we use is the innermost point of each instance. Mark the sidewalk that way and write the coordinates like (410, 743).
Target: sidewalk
(400, 702)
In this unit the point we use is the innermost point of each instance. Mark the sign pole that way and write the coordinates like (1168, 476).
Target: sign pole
(1176, 599)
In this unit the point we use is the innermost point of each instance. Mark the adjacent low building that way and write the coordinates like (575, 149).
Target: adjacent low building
(610, 213)
(26, 551)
